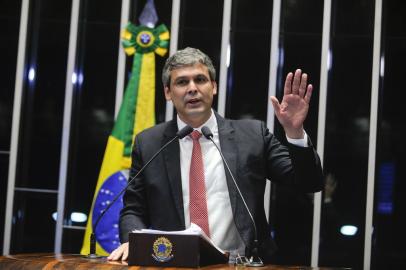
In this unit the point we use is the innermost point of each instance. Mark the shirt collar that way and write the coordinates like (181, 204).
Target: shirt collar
(210, 123)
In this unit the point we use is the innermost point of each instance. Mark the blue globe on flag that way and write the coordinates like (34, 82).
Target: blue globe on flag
(107, 231)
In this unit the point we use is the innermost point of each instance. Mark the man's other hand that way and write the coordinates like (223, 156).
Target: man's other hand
(120, 252)
(292, 111)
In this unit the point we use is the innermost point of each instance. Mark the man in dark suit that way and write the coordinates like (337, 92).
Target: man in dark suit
(161, 198)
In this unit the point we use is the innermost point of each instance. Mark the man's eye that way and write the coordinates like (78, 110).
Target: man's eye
(182, 82)
(201, 79)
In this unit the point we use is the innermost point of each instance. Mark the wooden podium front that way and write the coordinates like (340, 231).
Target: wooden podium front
(69, 261)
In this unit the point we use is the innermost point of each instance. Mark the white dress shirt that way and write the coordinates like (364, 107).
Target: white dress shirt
(223, 231)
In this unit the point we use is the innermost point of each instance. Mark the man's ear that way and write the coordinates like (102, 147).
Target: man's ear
(167, 93)
(214, 87)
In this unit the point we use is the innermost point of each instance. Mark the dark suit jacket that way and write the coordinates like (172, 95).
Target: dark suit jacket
(154, 200)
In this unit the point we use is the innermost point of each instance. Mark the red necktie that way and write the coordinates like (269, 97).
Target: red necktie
(197, 187)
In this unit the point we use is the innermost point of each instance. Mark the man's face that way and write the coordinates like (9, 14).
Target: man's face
(191, 92)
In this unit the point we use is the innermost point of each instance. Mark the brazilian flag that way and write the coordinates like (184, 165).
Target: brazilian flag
(137, 112)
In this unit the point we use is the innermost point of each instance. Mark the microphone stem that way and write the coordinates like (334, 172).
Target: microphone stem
(92, 243)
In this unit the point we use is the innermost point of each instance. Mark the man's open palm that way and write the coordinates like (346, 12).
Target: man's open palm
(293, 109)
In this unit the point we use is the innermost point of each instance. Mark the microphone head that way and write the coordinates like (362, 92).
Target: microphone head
(207, 132)
(184, 132)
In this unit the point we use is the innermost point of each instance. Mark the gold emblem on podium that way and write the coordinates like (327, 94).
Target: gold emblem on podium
(162, 249)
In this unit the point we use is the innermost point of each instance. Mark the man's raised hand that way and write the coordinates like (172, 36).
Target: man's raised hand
(293, 109)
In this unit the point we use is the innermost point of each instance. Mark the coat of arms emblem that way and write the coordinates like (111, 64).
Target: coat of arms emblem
(162, 249)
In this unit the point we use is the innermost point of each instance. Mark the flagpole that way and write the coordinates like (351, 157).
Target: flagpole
(173, 47)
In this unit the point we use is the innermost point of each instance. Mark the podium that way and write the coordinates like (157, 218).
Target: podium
(173, 250)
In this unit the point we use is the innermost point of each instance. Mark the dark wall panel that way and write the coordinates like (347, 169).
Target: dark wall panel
(388, 250)
(347, 134)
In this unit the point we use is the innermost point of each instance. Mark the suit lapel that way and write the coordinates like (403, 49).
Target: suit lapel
(172, 163)
(229, 148)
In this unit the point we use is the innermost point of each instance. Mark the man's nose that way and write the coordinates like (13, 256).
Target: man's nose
(192, 87)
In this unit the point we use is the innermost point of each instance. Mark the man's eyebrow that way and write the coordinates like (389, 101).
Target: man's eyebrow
(194, 76)
(181, 78)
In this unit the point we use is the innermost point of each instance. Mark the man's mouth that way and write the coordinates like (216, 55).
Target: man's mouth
(193, 101)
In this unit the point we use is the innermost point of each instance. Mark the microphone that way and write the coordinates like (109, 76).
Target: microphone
(179, 135)
(255, 260)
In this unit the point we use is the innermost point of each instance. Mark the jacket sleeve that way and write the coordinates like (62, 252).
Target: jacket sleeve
(134, 214)
(292, 165)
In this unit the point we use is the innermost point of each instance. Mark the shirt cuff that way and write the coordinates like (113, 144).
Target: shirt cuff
(299, 142)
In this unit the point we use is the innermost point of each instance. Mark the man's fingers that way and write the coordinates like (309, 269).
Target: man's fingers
(288, 84)
(303, 84)
(308, 95)
(296, 82)
(111, 256)
(115, 255)
(125, 254)
(275, 104)
(120, 252)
